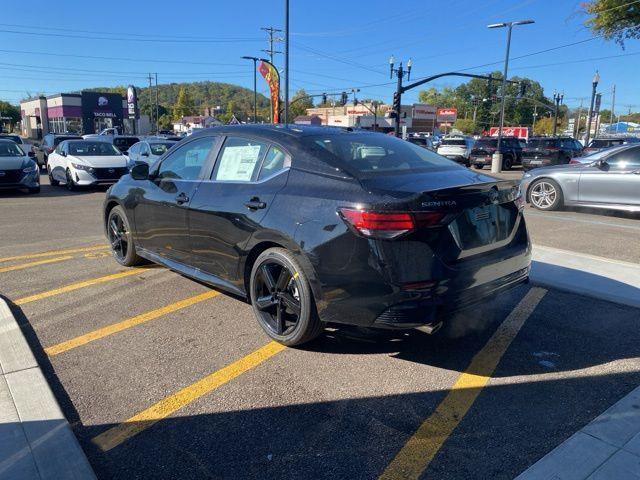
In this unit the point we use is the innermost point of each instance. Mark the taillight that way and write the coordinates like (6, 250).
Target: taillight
(553, 149)
(388, 225)
(574, 161)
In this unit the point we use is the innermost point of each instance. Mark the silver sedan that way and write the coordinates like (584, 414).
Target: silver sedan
(611, 181)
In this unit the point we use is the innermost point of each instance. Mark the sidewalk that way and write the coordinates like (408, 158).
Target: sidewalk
(607, 448)
(36, 442)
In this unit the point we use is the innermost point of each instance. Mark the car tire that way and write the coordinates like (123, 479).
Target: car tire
(280, 293)
(52, 181)
(70, 184)
(507, 162)
(121, 239)
(546, 194)
(478, 166)
(34, 190)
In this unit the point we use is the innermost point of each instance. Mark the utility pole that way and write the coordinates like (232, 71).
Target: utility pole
(271, 32)
(150, 78)
(613, 104)
(255, 88)
(496, 163)
(577, 134)
(594, 85)
(286, 62)
(535, 115)
(157, 107)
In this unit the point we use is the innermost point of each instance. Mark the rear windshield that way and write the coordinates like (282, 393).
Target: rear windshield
(10, 149)
(454, 141)
(372, 154)
(57, 140)
(160, 148)
(13, 138)
(92, 149)
(123, 143)
(487, 142)
(605, 143)
(541, 143)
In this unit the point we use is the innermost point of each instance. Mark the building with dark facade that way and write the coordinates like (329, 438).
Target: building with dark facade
(79, 113)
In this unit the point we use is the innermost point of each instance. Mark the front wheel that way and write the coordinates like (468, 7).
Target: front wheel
(121, 239)
(546, 194)
(282, 300)
(71, 185)
(478, 166)
(507, 163)
(52, 181)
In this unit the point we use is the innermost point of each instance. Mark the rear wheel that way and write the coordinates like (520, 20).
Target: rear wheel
(121, 239)
(507, 162)
(479, 166)
(282, 299)
(546, 194)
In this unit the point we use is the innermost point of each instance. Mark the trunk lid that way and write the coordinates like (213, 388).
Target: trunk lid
(481, 213)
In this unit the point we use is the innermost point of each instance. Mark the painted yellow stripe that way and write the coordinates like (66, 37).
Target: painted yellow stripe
(146, 418)
(78, 285)
(34, 264)
(51, 253)
(128, 323)
(415, 456)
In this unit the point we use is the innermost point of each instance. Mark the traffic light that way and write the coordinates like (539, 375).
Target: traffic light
(523, 89)
(344, 98)
(396, 102)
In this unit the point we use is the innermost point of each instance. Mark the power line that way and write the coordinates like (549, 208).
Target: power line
(271, 31)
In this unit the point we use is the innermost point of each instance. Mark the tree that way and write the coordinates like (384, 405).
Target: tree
(8, 110)
(465, 125)
(184, 105)
(544, 126)
(616, 20)
(299, 104)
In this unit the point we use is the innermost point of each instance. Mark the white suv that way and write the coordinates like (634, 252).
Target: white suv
(457, 148)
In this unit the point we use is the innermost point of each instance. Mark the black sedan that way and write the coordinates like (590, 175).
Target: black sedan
(316, 225)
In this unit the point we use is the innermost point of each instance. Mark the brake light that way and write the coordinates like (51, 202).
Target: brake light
(553, 149)
(388, 225)
(574, 161)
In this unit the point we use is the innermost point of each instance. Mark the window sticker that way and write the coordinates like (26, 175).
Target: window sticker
(238, 163)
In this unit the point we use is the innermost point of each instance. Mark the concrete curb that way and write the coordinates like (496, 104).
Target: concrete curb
(606, 448)
(36, 441)
(588, 275)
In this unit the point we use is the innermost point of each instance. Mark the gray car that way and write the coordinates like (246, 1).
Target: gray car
(17, 169)
(149, 150)
(610, 181)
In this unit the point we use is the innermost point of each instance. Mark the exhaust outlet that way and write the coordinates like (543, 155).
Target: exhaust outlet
(430, 329)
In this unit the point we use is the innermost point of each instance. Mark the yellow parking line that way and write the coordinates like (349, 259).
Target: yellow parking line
(146, 418)
(76, 286)
(51, 253)
(415, 456)
(128, 323)
(34, 264)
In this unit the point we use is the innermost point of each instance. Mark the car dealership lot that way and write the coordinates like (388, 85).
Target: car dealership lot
(162, 377)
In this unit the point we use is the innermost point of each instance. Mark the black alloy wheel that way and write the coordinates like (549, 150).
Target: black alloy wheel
(282, 299)
(120, 238)
(70, 184)
(507, 163)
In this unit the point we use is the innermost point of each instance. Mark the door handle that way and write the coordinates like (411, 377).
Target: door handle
(255, 204)
(182, 198)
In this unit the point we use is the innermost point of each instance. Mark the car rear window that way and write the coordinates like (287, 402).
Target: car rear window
(57, 140)
(454, 141)
(160, 148)
(487, 142)
(541, 143)
(123, 143)
(373, 154)
(605, 143)
(13, 138)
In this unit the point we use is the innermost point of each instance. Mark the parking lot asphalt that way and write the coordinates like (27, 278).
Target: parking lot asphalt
(161, 377)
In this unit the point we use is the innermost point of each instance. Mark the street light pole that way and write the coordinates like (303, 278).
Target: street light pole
(397, 97)
(557, 98)
(255, 89)
(594, 84)
(496, 163)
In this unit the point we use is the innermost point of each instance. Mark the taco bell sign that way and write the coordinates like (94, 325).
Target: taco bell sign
(132, 103)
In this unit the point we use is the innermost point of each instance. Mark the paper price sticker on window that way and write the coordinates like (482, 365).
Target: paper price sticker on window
(238, 163)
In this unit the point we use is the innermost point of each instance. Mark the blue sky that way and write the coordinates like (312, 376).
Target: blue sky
(335, 45)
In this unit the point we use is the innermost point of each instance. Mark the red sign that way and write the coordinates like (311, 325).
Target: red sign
(518, 132)
(447, 114)
(271, 75)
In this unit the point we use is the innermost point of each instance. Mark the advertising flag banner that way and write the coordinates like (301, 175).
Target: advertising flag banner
(270, 74)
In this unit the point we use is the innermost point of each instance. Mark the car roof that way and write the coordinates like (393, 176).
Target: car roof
(279, 130)
(6, 140)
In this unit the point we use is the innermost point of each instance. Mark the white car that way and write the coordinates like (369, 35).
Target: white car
(149, 150)
(86, 162)
(457, 148)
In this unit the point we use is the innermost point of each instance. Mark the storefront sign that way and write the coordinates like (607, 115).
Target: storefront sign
(447, 114)
(423, 111)
(105, 114)
(132, 102)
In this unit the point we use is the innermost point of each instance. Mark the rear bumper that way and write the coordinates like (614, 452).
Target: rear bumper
(529, 163)
(423, 290)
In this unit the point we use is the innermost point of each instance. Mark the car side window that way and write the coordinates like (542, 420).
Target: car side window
(134, 149)
(626, 160)
(58, 149)
(186, 162)
(274, 161)
(239, 160)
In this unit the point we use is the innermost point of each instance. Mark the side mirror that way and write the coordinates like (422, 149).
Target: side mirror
(63, 153)
(140, 171)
